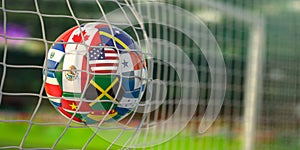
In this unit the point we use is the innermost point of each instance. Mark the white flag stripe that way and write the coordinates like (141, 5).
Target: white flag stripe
(104, 68)
(139, 77)
(71, 47)
(111, 55)
(72, 59)
(52, 81)
(57, 55)
(144, 76)
(56, 100)
(138, 81)
(103, 61)
(109, 49)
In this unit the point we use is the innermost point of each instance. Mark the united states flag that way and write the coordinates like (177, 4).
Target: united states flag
(103, 60)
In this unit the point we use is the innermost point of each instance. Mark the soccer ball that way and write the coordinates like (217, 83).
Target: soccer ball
(95, 72)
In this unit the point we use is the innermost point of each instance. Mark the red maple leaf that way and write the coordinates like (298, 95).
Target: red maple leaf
(78, 37)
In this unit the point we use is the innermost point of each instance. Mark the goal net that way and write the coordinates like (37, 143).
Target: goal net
(216, 74)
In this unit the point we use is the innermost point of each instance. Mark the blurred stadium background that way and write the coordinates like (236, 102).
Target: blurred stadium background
(270, 27)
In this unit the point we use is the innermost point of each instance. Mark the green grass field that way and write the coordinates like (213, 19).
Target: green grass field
(75, 138)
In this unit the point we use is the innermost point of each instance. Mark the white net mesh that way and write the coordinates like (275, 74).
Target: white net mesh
(191, 44)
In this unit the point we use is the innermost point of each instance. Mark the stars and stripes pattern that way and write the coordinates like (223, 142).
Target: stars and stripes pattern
(103, 60)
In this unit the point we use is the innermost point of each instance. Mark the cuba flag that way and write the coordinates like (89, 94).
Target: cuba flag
(55, 54)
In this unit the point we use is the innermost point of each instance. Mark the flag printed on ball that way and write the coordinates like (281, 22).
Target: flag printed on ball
(131, 61)
(103, 60)
(55, 54)
(134, 87)
(52, 88)
(94, 73)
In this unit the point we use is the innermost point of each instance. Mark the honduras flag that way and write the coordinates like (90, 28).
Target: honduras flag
(130, 98)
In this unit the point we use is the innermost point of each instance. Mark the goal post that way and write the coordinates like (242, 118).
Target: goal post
(254, 83)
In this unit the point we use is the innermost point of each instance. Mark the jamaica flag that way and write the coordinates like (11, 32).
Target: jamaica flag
(105, 92)
(104, 87)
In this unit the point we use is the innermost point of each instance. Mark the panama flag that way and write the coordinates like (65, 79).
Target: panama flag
(55, 54)
(131, 61)
(53, 89)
